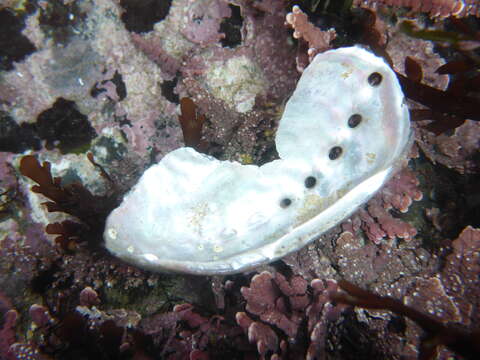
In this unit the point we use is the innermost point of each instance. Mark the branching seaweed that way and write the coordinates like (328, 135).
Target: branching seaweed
(73, 199)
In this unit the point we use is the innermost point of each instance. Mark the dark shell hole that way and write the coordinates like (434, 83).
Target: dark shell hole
(335, 152)
(374, 79)
(284, 203)
(310, 182)
(354, 120)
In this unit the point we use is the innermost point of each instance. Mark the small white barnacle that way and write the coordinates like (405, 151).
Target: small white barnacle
(217, 248)
(339, 139)
(151, 258)
(112, 233)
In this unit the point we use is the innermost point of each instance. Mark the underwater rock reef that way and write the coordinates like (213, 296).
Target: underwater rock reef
(93, 92)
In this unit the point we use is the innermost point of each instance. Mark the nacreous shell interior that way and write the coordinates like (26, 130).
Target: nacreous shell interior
(341, 134)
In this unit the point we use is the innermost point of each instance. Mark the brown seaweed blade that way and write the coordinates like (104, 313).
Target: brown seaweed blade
(192, 123)
(413, 69)
(72, 199)
(442, 101)
(47, 185)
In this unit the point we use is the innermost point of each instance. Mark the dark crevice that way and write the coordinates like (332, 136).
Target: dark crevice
(95, 91)
(141, 15)
(14, 46)
(232, 27)
(397, 325)
(61, 21)
(168, 90)
(44, 279)
(17, 138)
(117, 81)
(64, 127)
(121, 87)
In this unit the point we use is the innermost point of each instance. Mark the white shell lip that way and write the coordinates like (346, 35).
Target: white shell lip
(294, 240)
(348, 184)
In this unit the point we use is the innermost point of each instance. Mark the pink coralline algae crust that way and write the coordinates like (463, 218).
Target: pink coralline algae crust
(456, 150)
(241, 111)
(265, 53)
(89, 297)
(378, 265)
(444, 289)
(10, 349)
(8, 331)
(25, 352)
(7, 172)
(277, 311)
(41, 316)
(452, 295)
(184, 333)
(152, 49)
(28, 251)
(376, 220)
(203, 21)
(262, 335)
(422, 52)
(75, 327)
(321, 313)
(266, 299)
(369, 246)
(127, 110)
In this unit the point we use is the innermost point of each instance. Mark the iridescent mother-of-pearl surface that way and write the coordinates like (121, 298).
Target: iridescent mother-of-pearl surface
(342, 133)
